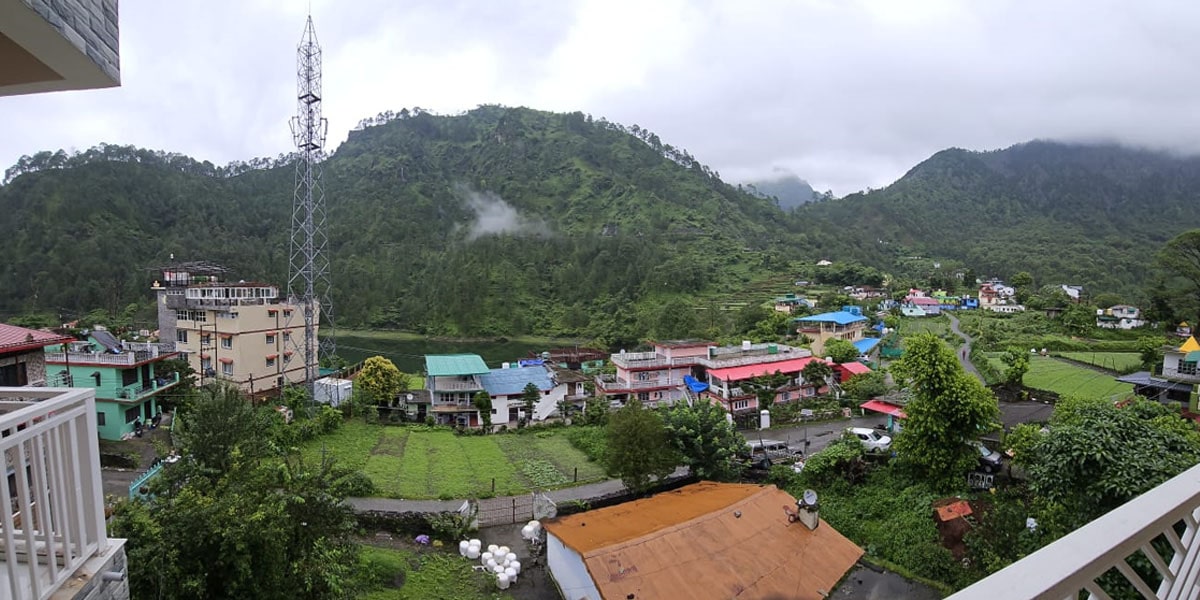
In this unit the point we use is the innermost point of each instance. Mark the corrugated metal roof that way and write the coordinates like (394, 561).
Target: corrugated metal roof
(865, 345)
(854, 368)
(14, 338)
(840, 317)
(509, 382)
(739, 373)
(707, 541)
(441, 365)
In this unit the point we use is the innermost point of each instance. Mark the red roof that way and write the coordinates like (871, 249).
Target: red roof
(853, 368)
(954, 510)
(15, 339)
(924, 301)
(783, 366)
(883, 407)
(226, 361)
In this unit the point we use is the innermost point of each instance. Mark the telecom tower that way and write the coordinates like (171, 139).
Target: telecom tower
(308, 281)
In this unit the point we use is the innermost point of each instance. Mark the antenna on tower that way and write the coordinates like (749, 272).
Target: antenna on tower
(308, 282)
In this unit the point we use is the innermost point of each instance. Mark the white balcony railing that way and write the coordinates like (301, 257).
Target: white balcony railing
(1167, 515)
(52, 507)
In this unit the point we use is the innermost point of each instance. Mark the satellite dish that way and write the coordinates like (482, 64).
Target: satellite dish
(810, 497)
(408, 397)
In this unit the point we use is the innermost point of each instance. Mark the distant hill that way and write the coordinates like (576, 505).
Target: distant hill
(789, 189)
(499, 221)
(1067, 213)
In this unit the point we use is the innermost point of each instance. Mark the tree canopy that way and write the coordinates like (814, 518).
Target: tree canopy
(841, 351)
(949, 408)
(704, 437)
(638, 449)
(380, 380)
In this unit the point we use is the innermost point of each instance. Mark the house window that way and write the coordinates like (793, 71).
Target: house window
(270, 338)
(227, 343)
(1187, 367)
(205, 364)
(741, 404)
(96, 376)
(100, 419)
(13, 375)
(644, 396)
(287, 314)
(132, 414)
(181, 336)
(227, 368)
(287, 336)
(787, 396)
(129, 376)
(206, 339)
(270, 361)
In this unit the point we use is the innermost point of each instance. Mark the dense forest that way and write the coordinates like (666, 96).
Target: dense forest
(1081, 214)
(504, 221)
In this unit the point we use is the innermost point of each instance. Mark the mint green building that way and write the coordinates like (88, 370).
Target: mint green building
(124, 374)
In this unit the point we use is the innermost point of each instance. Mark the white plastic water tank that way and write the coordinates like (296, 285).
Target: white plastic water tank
(491, 564)
(462, 547)
(493, 548)
(485, 557)
(472, 552)
(511, 573)
(516, 566)
(527, 532)
(475, 542)
(746, 344)
(512, 557)
(502, 581)
(499, 570)
(501, 552)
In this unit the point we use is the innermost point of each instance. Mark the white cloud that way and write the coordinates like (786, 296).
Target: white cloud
(845, 94)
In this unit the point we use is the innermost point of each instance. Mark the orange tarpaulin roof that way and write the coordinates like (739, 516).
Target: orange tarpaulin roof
(707, 541)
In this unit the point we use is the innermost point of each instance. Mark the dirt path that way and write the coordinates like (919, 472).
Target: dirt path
(964, 354)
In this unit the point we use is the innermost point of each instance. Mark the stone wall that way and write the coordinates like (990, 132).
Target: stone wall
(90, 25)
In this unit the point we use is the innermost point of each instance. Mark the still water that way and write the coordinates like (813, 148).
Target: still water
(408, 353)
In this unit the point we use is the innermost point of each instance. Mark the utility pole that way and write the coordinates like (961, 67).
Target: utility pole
(309, 283)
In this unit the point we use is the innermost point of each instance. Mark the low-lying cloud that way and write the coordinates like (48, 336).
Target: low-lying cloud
(494, 216)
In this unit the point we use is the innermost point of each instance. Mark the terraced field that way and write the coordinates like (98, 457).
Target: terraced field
(1067, 379)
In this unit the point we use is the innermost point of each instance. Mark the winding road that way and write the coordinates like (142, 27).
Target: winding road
(964, 353)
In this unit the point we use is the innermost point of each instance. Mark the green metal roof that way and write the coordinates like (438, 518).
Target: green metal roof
(441, 365)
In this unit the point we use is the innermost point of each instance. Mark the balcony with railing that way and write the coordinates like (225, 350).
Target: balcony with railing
(1158, 528)
(609, 383)
(456, 384)
(139, 391)
(52, 508)
(133, 353)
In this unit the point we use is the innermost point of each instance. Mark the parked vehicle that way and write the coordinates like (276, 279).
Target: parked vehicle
(872, 440)
(990, 460)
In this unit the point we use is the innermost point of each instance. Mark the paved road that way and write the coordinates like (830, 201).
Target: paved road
(965, 353)
(818, 434)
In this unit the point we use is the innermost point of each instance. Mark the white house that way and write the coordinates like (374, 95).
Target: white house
(1120, 316)
(506, 386)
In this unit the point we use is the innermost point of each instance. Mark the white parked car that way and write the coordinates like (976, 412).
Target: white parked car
(872, 440)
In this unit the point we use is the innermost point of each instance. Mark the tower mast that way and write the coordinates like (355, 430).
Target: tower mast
(308, 280)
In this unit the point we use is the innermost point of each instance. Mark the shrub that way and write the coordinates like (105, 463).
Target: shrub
(590, 440)
(840, 459)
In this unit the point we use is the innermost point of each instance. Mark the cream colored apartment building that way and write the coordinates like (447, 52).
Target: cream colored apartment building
(242, 332)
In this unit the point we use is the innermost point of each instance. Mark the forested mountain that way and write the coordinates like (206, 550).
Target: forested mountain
(504, 221)
(1067, 213)
(788, 189)
(498, 221)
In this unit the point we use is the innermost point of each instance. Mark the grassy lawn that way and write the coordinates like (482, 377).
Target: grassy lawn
(1121, 362)
(397, 574)
(1067, 379)
(420, 463)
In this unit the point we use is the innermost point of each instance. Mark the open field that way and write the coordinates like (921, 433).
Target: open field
(1067, 379)
(1121, 362)
(403, 574)
(421, 463)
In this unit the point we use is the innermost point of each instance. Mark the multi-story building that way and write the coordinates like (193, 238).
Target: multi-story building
(838, 325)
(242, 332)
(675, 370)
(125, 376)
(48, 46)
(1120, 316)
(1179, 366)
(23, 356)
(452, 381)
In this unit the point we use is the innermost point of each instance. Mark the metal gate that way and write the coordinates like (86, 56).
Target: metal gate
(506, 510)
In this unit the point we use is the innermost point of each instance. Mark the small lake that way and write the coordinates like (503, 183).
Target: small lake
(408, 353)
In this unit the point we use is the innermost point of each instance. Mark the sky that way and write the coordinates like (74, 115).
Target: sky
(846, 94)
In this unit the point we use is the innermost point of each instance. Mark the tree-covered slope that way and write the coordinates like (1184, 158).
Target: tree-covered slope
(498, 221)
(1088, 214)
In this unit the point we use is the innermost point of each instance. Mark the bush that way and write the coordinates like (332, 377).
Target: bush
(354, 484)
(842, 459)
(590, 440)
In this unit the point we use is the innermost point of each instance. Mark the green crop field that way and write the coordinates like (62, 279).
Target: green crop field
(419, 462)
(1121, 362)
(1067, 379)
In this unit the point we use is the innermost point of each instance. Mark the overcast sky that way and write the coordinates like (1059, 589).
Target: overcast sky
(846, 94)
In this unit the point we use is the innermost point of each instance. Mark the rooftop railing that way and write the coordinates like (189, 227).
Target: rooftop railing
(52, 509)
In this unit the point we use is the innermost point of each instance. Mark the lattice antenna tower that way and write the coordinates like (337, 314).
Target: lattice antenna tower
(308, 282)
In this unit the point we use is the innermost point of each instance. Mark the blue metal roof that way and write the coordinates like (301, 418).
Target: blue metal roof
(840, 317)
(511, 382)
(866, 345)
